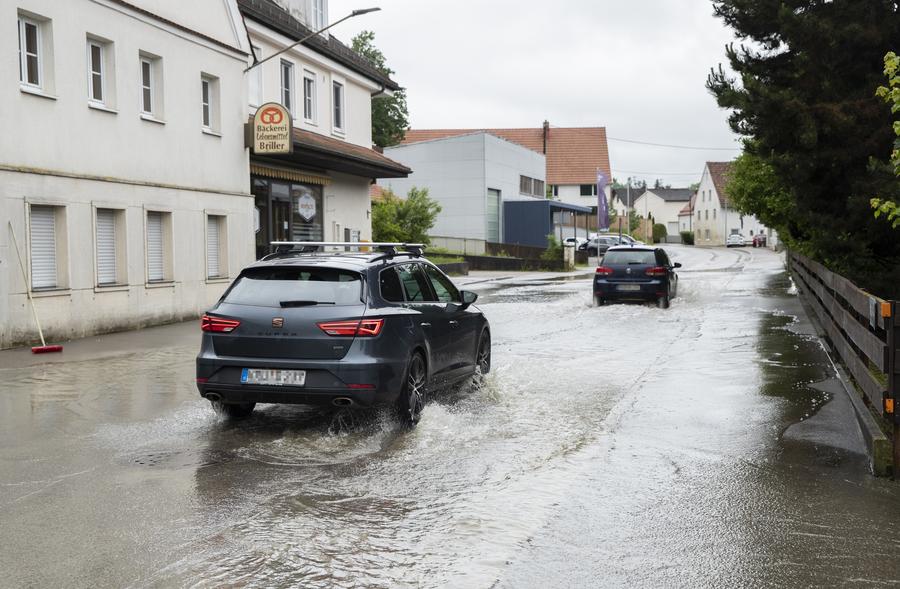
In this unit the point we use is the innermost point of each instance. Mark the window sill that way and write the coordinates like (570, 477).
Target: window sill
(211, 133)
(35, 92)
(111, 287)
(53, 292)
(152, 119)
(310, 122)
(102, 108)
(217, 279)
(160, 284)
(338, 133)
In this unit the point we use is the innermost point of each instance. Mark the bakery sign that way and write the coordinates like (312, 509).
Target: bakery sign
(272, 129)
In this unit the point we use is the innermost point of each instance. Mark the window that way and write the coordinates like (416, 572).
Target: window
(287, 287)
(209, 103)
(714, 213)
(106, 247)
(525, 185)
(287, 85)
(159, 246)
(309, 97)
(588, 190)
(338, 98)
(29, 52)
(254, 78)
(151, 86)
(43, 229)
(319, 15)
(95, 71)
(146, 86)
(216, 251)
(415, 284)
(391, 289)
(555, 190)
(539, 188)
(706, 214)
(707, 234)
(443, 287)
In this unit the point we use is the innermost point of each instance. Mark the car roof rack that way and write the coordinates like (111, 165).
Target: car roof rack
(385, 249)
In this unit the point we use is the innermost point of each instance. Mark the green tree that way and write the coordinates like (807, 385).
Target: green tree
(753, 188)
(408, 220)
(891, 95)
(803, 96)
(390, 117)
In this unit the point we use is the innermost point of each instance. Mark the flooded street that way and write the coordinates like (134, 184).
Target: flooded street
(625, 445)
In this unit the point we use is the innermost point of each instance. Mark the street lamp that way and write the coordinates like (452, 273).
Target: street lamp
(357, 12)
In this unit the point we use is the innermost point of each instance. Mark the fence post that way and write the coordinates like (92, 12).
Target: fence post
(892, 397)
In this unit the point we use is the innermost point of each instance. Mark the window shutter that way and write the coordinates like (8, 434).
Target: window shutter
(155, 246)
(212, 247)
(106, 246)
(43, 247)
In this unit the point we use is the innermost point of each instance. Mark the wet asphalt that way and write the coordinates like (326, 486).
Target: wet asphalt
(707, 445)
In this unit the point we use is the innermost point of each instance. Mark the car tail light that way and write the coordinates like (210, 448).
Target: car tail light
(360, 386)
(357, 327)
(604, 271)
(656, 271)
(218, 324)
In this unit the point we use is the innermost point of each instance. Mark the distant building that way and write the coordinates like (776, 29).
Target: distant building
(122, 167)
(470, 175)
(714, 218)
(664, 205)
(686, 215)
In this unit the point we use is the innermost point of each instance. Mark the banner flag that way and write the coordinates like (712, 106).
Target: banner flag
(602, 204)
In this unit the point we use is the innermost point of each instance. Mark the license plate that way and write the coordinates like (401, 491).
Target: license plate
(273, 376)
(629, 287)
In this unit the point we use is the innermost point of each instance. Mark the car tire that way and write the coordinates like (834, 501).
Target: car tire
(663, 302)
(412, 397)
(598, 301)
(483, 353)
(233, 410)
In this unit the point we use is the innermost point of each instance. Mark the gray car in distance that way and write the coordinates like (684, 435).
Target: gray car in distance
(340, 328)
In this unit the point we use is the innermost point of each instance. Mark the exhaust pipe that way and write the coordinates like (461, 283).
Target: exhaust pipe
(214, 396)
(342, 402)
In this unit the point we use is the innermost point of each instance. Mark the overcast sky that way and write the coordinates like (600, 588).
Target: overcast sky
(637, 67)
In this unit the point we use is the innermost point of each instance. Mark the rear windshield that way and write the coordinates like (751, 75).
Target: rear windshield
(625, 257)
(296, 287)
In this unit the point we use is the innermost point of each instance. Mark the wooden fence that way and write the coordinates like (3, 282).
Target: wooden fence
(863, 331)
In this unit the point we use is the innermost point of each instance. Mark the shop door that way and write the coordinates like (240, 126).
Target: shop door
(281, 220)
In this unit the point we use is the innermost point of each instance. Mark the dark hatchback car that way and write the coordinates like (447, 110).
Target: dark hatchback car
(342, 329)
(599, 245)
(636, 273)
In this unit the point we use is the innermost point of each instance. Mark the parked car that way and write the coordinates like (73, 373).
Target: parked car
(735, 240)
(576, 242)
(636, 273)
(599, 245)
(342, 329)
(759, 240)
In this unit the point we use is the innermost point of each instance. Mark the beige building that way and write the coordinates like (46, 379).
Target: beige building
(714, 218)
(123, 172)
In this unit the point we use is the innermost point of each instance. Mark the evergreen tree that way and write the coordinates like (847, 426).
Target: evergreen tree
(804, 96)
(390, 117)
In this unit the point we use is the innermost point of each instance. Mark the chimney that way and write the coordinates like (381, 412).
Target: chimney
(546, 135)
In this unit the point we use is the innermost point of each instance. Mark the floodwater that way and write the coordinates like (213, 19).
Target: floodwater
(703, 445)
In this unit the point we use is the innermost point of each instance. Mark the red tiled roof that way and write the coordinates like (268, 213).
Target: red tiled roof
(688, 209)
(718, 171)
(376, 192)
(573, 153)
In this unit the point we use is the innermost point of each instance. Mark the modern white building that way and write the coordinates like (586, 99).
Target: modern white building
(321, 190)
(664, 205)
(123, 172)
(470, 176)
(714, 218)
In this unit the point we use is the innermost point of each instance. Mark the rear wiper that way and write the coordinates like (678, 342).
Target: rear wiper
(304, 303)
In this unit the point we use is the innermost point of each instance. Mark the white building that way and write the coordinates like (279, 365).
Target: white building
(664, 205)
(470, 176)
(123, 171)
(686, 215)
(714, 218)
(329, 90)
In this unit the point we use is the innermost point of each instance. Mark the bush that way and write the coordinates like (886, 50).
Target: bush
(659, 232)
(687, 237)
(554, 251)
(406, 220)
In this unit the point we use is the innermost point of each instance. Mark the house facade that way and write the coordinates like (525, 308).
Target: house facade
(123, 173)
(321, 190)
(470, 175)
(714, 219)
(664, 205)
(686, 215)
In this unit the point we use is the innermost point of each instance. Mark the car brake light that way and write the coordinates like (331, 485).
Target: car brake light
(604, 271)
(656, 271)
(218, 324)
(357, 327)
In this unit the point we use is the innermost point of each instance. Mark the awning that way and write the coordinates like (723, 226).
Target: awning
(288, 174)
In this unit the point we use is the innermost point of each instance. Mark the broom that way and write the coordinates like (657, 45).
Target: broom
(43, 348)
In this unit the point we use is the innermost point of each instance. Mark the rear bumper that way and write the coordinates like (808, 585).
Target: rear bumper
(231, 393)
(650, 290)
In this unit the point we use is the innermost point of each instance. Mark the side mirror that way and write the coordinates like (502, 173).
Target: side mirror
(676, 265)
(468, 297)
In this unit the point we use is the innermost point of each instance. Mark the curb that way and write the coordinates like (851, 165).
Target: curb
(878, 446)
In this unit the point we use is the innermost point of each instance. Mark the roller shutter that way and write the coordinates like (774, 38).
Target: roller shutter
(155, 261)
(43, 247)
(212, 247)
(106, 246)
